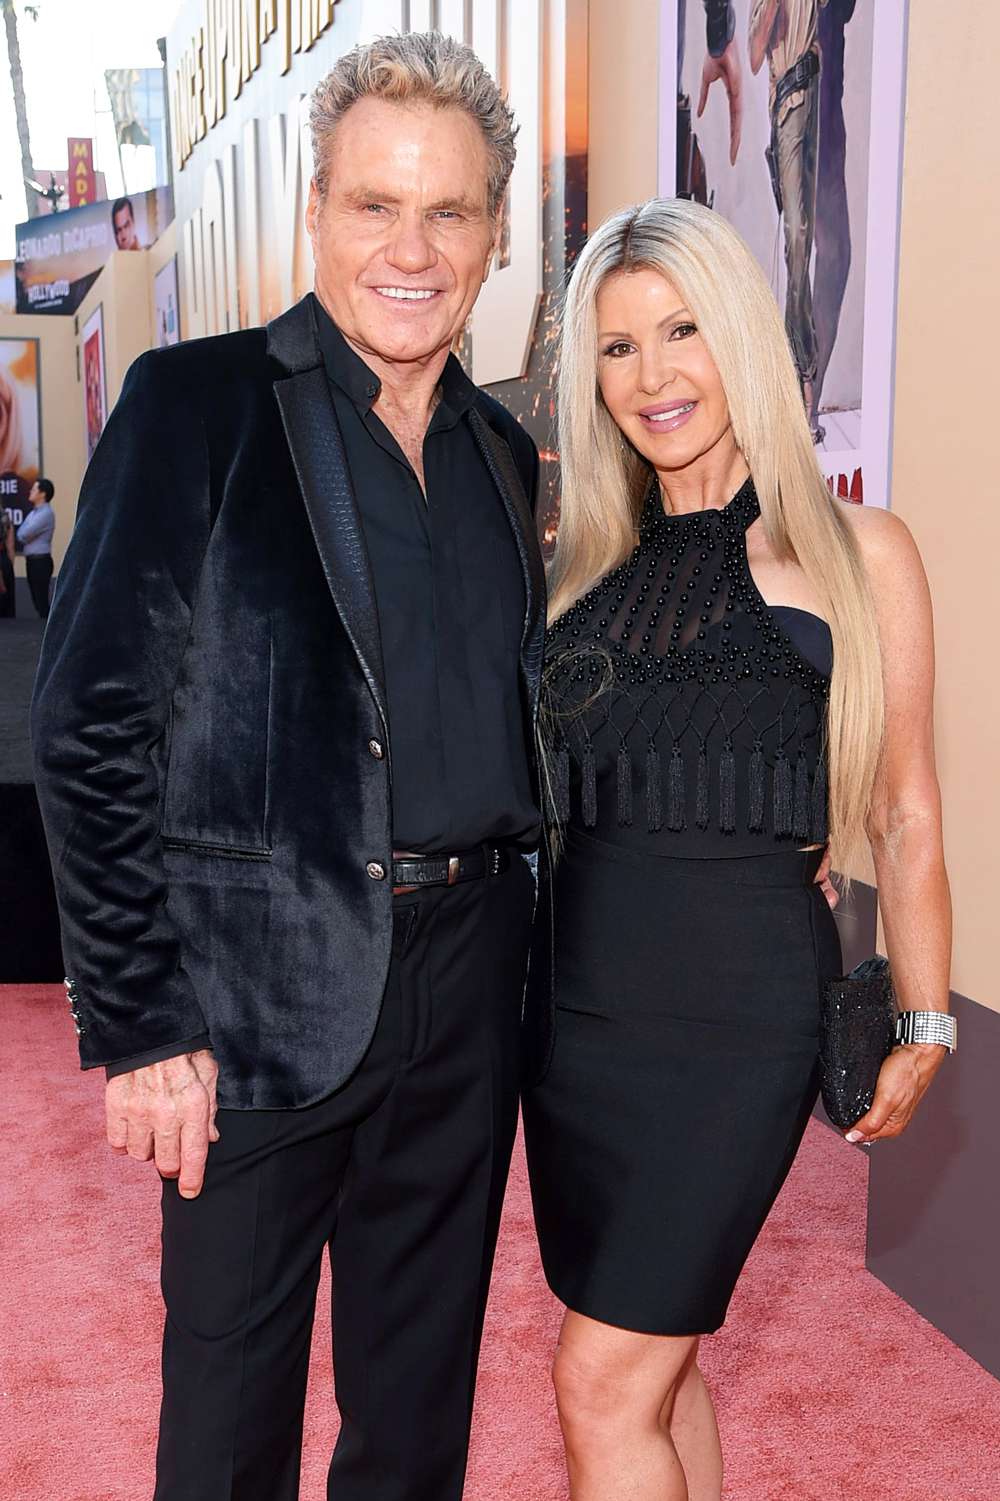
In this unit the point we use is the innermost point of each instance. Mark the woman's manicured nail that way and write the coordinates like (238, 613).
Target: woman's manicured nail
(854, 1136)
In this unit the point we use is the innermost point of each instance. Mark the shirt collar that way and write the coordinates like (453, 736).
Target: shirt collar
(349, 371)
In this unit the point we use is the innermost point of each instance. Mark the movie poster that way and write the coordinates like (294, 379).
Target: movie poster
(60, 256)
(20, 424)
(168, 329)
(564, 145)
(8, 294)
(768, 115)
(94, 379)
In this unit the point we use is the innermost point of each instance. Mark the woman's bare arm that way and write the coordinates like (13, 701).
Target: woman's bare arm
(905, 824)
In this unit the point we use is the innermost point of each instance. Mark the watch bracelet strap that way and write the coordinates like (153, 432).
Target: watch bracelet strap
(927, 1027)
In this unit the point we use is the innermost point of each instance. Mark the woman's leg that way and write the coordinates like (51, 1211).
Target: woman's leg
(690, 1417)
(611, 1389)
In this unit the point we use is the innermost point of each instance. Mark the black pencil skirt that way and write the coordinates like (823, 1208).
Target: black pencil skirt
(683, 1074)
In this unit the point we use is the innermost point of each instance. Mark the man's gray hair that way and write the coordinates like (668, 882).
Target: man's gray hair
(422, 67)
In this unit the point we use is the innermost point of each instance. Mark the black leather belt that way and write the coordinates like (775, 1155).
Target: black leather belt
(799, 76)
(450, 870)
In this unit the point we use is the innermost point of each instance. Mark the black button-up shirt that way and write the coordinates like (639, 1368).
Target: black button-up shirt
(450, 595)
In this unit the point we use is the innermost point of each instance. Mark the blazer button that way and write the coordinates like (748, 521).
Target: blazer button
(375, 870)
(375, 749)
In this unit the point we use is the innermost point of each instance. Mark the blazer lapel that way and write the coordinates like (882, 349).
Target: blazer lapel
(500, 462)
(317, 450)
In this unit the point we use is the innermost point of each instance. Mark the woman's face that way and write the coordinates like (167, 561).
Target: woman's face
(656, 376)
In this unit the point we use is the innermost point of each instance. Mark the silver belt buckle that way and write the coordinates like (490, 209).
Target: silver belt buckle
(453, 864)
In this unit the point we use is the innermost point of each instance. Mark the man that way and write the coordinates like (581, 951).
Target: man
(123, 224)
(283, 746)
(35, 536)
(785, 32)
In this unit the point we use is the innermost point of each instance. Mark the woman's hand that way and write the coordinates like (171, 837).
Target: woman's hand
(902, 1083)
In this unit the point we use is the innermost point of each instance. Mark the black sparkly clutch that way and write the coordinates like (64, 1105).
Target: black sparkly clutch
(857, 1032)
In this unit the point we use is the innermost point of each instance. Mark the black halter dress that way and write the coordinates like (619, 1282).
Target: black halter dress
(685, 724)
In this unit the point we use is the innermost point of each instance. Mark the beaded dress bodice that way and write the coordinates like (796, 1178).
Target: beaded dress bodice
(680, 718)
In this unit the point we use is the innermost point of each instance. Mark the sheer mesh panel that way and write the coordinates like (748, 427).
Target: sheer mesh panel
(674, 700)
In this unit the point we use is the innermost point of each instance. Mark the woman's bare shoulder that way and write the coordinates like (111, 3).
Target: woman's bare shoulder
(884, 539)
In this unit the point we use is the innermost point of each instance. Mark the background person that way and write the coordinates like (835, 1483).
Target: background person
(738, 666)
(35, 536)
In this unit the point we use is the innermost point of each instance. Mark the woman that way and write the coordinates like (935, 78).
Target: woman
(739, 669)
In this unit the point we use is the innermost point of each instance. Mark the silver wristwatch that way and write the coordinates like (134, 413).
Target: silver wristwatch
(927, 1026)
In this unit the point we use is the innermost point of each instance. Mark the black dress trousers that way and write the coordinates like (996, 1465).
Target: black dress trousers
(401, 1173)
(39, 570)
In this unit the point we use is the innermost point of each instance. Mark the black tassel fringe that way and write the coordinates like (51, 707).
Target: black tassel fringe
(800, 804)
(588, 787)
(727, 790)
(560, 784)
(819, 828)
(801, 819)
(624, 787)
(701, 804)
(676, 791)
(755, 821)
(782, 794)
(654, 790)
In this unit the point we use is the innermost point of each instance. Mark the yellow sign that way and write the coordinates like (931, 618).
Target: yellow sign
(82, 181)
(226, 52)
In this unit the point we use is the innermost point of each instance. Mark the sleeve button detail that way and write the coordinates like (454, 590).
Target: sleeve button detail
(375, 870)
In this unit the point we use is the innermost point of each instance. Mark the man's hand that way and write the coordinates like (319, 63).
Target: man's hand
(823, 881)
(166, 1111)
(727, 68)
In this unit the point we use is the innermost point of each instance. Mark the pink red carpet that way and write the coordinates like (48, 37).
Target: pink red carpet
(828, 1387)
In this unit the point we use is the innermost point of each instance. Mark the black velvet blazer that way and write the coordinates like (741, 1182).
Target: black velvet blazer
(210, 680)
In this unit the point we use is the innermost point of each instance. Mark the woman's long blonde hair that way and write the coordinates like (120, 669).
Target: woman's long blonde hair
(604, 481)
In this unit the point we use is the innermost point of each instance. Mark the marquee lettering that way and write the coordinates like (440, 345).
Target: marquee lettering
(225, 53)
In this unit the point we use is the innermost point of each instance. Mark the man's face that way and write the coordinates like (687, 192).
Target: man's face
(35, 496)
(404, 239)
(125, 236)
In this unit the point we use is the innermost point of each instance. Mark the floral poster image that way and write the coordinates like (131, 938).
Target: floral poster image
(20, 424)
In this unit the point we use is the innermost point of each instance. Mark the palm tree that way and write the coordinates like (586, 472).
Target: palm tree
(20, 108)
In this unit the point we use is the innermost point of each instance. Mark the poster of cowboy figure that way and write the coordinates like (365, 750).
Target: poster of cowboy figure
(768, 114)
